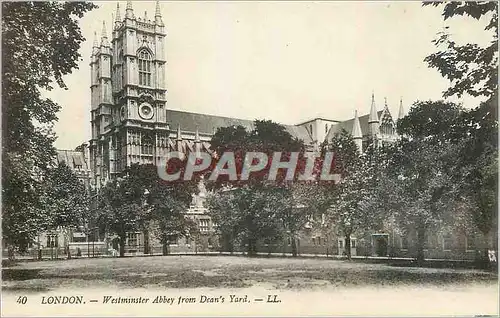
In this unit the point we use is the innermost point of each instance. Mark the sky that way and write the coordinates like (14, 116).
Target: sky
(284, 61)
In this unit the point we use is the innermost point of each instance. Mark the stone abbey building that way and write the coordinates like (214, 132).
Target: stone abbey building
(133, 123)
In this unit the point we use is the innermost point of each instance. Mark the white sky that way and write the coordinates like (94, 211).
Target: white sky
(284, 61)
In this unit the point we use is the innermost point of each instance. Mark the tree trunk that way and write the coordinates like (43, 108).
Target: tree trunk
(230, 246)
(249, 247)
(146, 242)
(165, 244)
(10, 252)
(482, 257)
(252, 248)
(122, 245)
(294, 247)
(228, 243)
(420, 244)
(347, 245)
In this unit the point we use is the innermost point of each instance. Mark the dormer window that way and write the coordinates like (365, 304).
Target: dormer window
(77, 162)
(144, 58)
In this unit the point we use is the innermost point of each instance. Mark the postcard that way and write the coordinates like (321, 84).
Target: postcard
(249, 158)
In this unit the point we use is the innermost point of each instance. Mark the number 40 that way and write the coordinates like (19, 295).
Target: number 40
(22, 300)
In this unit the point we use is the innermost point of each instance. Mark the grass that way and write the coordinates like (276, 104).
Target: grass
(228, 272)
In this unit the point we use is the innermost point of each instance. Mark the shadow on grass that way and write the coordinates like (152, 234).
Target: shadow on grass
(368, 277)
(240, 276)
(173, 279)
(25, 289)
(9, 274)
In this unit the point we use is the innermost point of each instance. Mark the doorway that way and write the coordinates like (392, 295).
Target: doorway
(380, 244)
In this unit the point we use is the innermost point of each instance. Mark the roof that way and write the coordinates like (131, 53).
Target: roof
(208, 124)
(318, 118)
(72, 159)
(347, 125)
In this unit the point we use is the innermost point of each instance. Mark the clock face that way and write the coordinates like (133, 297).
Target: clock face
(146, 111)
(123, 113)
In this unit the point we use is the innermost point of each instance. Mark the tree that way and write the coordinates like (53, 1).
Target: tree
(476, 169)
(419, 176)
(436, 120)
(67, 196)
(470, 68)
(118, 210)
(254, 209)
(67, 199)
(299, 204)
(40, 42)
(24, 212)
(350, 201)
(418, 169)
(168, 212)
(470, 137)
(222, 206)
(163, 203)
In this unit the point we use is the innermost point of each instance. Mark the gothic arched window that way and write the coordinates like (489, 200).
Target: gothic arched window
(144, 58)
(147, 142)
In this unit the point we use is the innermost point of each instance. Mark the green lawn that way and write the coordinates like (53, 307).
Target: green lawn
(228, 272)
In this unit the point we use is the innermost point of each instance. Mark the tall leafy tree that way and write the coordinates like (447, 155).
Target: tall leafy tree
(343, 200)
(222, 206)
(472, 69)
(476, 169)
(426, 168)
(163, 203)
(40, 43)
(261, 209)
(67, 200)
(422, 184)
(119, 209)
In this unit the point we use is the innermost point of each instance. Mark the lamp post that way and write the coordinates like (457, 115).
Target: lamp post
(91, 230)
(146, 230)
(88, 242)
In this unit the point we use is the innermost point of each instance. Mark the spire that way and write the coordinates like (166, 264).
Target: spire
(197, 135)
(158, 14)
(385, 102)
(197, 142)
(356, 127)
(179, 137)
(373, 111)
(129, 12)
(95, 44)
(356, 133)
(373, 120)
(401, 110)
(117, 16)
(104, 36)
(157, 11)
(145, 16)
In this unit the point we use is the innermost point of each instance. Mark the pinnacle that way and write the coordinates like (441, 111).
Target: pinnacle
(356, 127)
(373, 111)
(118, 17)
(95, 40)
(157, 11)
(104, 33)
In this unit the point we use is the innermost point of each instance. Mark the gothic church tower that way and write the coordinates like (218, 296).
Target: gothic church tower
(128, 104)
